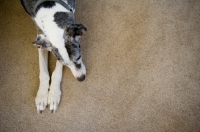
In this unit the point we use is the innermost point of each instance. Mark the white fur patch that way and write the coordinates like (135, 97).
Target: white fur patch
(46, 23)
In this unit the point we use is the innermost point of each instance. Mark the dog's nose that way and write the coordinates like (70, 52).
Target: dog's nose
(81, 78)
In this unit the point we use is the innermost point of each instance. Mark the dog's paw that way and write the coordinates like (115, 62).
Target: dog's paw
(41, 101)
(54, 99)
(42, 42)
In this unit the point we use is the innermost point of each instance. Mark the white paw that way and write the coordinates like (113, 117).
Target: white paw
(41, 100)
(54, 99)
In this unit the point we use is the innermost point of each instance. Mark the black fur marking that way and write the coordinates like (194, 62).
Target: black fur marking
(38, 38)
(69, 48)
(56, 53)
(78, 66)
(78, 58)
(63, 18)
(46, 4)
(73, 50)
(74, 46)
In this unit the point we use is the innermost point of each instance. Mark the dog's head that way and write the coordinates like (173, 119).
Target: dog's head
(72, 36)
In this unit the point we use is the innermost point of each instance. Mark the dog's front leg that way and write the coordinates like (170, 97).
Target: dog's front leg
(42, 94)
(55, 92)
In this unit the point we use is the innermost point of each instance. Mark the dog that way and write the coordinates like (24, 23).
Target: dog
(61, 36)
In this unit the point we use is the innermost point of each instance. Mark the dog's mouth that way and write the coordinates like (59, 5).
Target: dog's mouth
(40, 46)
(41, 42)
(37, 45)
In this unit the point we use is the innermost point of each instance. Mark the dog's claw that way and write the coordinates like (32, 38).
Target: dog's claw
(54, 99)
(39, 111)
(41, 101)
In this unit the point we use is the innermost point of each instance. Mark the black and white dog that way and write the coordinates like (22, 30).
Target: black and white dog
(61, 37)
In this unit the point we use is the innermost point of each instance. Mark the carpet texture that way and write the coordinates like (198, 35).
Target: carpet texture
(143, 69)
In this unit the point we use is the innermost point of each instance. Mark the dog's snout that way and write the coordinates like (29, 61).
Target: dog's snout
(81, 78)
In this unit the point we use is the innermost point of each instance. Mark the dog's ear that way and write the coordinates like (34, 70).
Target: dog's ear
(75, 29)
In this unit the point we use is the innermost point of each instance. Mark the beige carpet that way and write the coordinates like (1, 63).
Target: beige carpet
(143, 69)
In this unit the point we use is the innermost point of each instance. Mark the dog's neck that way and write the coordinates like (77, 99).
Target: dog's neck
(62, 2)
